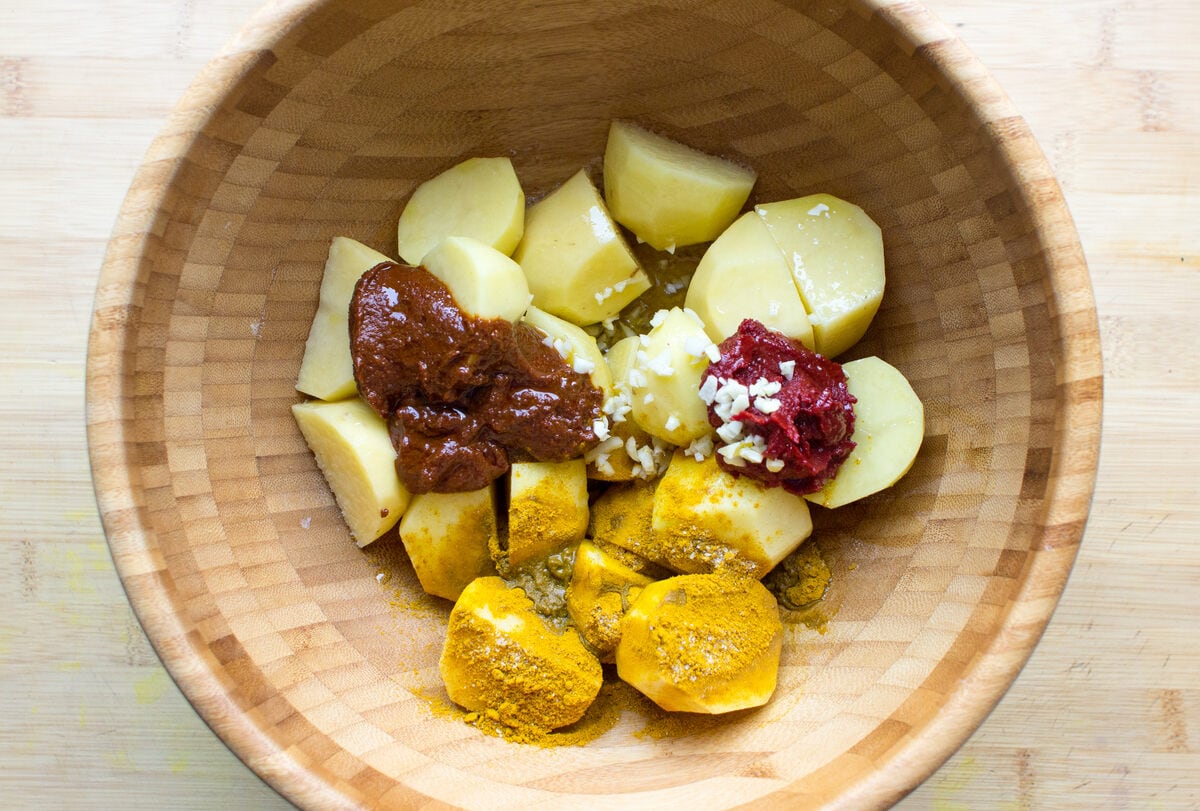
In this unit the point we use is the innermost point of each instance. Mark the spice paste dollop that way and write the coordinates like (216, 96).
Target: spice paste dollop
(786, 406)
(460, 393)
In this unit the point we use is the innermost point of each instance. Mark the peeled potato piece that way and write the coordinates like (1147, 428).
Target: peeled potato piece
(664, 379)
(484, 282)
(702, 643)
(577, 263)
(575, 346)
(479, 198)
(500, 658)
(622, 516)
(668, 194)
(600, 591)
(835, 253)
(326, 370)
(743, 275)
(448, 537)
(616, 458)
(889, 425)
(708, 520)
(355, 453)
(547, 508)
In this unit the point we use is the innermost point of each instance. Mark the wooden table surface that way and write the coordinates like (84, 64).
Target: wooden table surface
(1105, 715)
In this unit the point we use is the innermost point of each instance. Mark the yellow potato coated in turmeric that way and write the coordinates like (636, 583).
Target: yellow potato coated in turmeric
(702, 643)
(502, 660)
(599, 595)
(448, 537)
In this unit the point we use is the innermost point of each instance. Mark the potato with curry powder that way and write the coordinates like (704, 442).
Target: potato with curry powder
(707, 520)
(502, 660)
(704, 643)
(598, 596)
(622, 515)
(448, 538)
(547, 508)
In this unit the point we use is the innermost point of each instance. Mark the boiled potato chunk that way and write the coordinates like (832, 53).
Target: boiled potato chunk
(835, 253)
(669, 194)
(479, 198)
(502, 660)
(702, 643)
(484, 282)
(575, 346)
(547, 508)
(889, 425)
(743, 275)
(599, 594)
(353, 450)
(707, 520)
(326, 371)
(447, 537)
(664, 379)
(577, 263)
(615, 459)
(623, 516)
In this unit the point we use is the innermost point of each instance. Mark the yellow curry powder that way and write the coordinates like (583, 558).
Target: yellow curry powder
(713, 639)
(801, 579)
(548, 513)
(622, 517)
(502, 661)
(694, 544)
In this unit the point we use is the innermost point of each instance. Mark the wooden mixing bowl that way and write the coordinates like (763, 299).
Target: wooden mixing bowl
(321, 118)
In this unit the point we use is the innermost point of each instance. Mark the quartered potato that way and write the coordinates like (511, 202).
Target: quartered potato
(702, 643)
(576, 347)
(326, 372)
(622, 455)
(355, 453)
(502, 659)
(483, 281)
(889, 426)
(575, 258)
(664, 378)
(708, 520)
(547, 508)
(668, 194)
(743, 275)
(448, 538)
(599, 594)
(835, 253)
(479, 198)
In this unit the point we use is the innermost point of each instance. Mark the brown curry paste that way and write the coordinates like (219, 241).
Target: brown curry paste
(459, 392)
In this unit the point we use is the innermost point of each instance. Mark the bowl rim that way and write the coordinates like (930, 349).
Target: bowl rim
(1076, 446)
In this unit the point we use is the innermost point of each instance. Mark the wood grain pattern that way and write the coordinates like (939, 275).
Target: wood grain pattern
(1106, 712)
(320, 122)
(228, 544)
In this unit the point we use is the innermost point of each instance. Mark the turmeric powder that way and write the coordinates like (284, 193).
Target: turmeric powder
(702, 643)
(502, 661)
(800, 579)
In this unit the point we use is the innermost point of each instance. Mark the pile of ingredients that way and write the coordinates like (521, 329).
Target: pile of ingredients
(592, 480)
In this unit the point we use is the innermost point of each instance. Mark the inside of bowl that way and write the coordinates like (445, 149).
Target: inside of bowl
(278, 627)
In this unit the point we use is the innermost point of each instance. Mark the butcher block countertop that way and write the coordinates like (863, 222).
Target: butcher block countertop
(1106, 714)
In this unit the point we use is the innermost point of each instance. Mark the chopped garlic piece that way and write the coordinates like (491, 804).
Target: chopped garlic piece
(700, 449)
(766, 405)
(730, 431)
